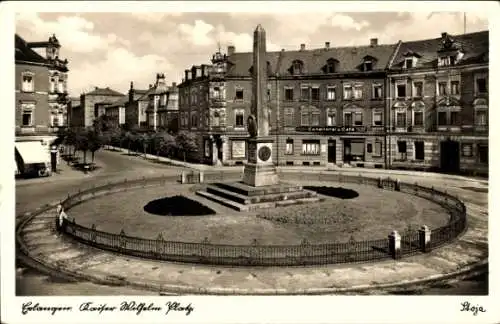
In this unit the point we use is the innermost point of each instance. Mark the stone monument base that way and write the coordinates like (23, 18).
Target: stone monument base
(260, 175)
(243, 197)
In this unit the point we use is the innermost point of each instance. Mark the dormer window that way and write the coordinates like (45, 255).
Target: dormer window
(297, 67)
(408, 63)
(330, 66)
(368, 65)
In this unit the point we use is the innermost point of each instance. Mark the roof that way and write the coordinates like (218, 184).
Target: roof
(104, 92)
(118, 103)
(475, 47)
(349, 59)
(24, 53)
(145, 96)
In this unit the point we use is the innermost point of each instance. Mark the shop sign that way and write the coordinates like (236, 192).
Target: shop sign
(331, 129)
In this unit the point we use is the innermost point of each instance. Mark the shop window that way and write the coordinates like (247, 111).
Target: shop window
(482, 152)
(402, 150)
(289, 147)
(419, 150)
(289, 94)
(467, 150)
(311, 147)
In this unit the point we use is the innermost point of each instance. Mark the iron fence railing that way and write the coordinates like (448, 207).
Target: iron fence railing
(269, 255)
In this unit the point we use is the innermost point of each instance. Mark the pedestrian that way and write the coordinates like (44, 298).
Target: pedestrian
(62, 219)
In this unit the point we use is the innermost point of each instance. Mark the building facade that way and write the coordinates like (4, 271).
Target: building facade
(41, 102)
(403, 105)
(135, 108)
(163, 107)
(438, 104)
(93, 104)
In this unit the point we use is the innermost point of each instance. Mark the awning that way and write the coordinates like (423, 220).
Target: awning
(33, 152)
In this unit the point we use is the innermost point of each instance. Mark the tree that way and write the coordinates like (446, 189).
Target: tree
(94, 140)
(129, 139)
(186, 142)
(165, 143)
(103, 123)
(82, 143)
(70, 139)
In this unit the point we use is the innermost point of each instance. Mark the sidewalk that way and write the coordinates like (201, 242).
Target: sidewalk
(364, 171)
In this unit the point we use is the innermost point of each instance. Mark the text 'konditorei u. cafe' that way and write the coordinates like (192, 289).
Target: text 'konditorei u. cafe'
(417, 105)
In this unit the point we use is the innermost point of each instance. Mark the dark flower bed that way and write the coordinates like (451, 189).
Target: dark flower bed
(177, 206)
(337, 192)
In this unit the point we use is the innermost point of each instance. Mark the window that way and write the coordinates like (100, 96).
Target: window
(377, 149)
(347, 92)
(60, 85)
(401, 119)
(194, 120)
(358, 91)
(481, 85)
(467, 150)
(482, 152)
(446, 61)
(164, 99)
(455, 87)
(377, 118)
(330, 66)
(239, 94)
(310, 147)
(368, 65)
(408, 63)
(52, 87)
(377, 91)
(304, 117)
(419, 150)
(418, 89)
(216, 119)
(207, 148)
(402, 150)
(239, 118)
(315, 117)
(481, 118)
(268, 92)
(442, 120)
(28, 83)
(289, 116)
(401, 90)
(218, 93)
(418, 118)
(358, 119)
(289, 94)
(369, 148)
(348, 119)
(330, 93)
(27, 114)
(315, 93)
(454, 118)
(289, 147)
(304, 93)
(297, 67)
(330, 117)
(442, 88)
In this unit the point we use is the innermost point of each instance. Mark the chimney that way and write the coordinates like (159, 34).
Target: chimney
(327, 45)
(230, 50)
(186, 75)
(443, 35)
(174, 84)
(150, 86)
(302, 47)
(131, 85)
(373, 41)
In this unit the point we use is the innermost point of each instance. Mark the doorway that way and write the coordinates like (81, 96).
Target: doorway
(332, 151)
(450, 156)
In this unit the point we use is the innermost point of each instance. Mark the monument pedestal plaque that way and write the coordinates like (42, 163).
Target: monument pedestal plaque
(260, 169)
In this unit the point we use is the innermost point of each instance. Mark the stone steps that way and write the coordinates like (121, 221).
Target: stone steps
(246, 190)
(246, 200)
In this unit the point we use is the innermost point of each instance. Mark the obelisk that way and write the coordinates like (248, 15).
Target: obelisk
(259, 170)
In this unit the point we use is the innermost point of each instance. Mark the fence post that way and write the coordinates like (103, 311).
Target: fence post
(201, 176)
(183, 177)
(424, 238)
(395, 245)
(397, 185)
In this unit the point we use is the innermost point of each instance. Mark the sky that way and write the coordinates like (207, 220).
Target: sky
(113, 49)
